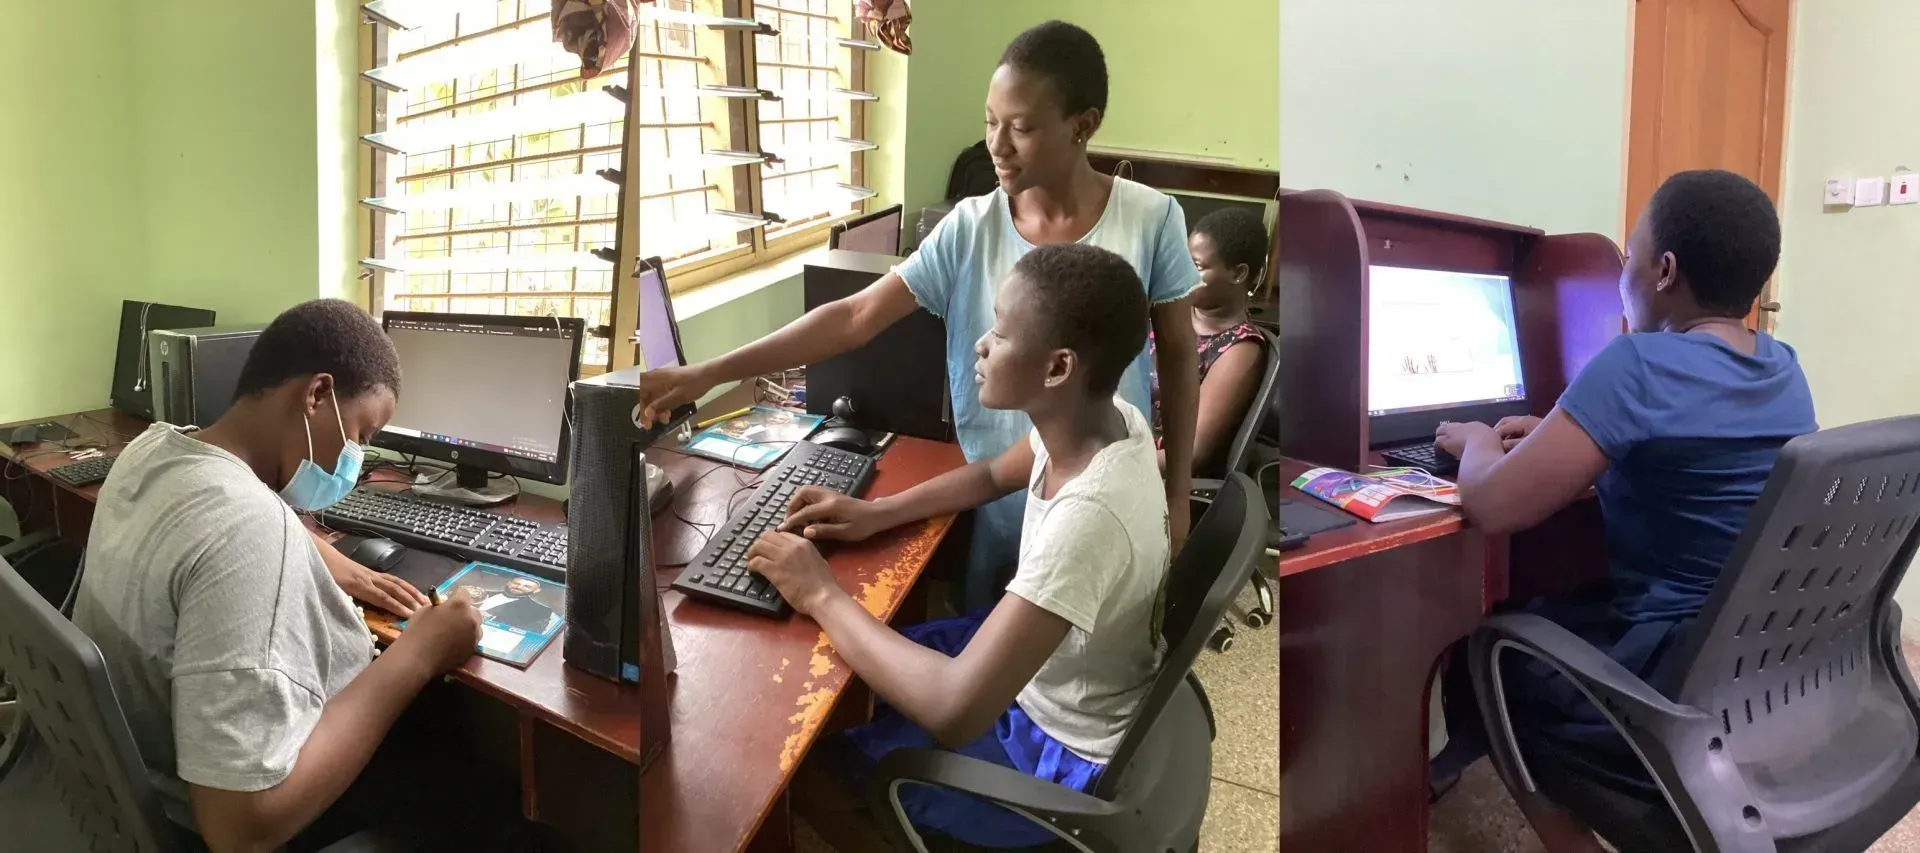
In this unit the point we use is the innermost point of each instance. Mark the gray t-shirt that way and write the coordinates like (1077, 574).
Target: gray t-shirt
(1096, 556)
(222, 632)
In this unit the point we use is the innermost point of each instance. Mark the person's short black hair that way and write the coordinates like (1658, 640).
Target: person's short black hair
(1089, 300)
(322, 336)
(1724, 233)
(1238, 236)
(1068, 57)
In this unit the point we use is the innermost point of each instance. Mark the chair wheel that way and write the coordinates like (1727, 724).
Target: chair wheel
(1222, 640)
(1256, 619)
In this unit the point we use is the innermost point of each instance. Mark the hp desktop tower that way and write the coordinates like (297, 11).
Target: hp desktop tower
(132, 381)
(612, 599)
(194, 371)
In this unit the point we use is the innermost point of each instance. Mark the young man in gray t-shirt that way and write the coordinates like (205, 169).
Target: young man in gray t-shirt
(243, 666)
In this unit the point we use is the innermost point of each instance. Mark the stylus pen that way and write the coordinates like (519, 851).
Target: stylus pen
(433, 595)
(726, 417)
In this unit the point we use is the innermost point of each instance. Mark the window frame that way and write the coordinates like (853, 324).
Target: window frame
(740, 126)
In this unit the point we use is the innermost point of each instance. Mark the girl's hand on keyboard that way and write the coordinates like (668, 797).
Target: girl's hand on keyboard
(825, 515)
(1454, 437)
(795, 566)
(1515, 428)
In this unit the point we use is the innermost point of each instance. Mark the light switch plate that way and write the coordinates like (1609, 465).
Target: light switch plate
(1839, 192)
(1906, 189)
(1870, 192)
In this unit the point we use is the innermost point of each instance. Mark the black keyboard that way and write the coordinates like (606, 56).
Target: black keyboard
(719, 574)
(1426, 457)
(528, 546)
(84, 473)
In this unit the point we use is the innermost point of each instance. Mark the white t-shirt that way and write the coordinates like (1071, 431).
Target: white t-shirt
(957, 273)
(1096, 555)
(222, 632)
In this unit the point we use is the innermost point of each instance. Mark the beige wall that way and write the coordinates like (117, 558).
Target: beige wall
(1849, 282)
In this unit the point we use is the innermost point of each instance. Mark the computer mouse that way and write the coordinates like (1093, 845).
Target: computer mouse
(850, 439)
(381, 555)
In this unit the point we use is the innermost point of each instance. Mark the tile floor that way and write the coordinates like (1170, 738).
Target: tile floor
(1243, 809)
(1478, 816)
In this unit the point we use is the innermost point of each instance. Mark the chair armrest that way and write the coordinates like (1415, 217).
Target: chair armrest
(1061, 808)
(1544, 639)
(1680, 746)
(1200, 692)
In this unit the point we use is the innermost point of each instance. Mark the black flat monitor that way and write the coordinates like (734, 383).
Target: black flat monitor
(486, 393)
(132, 385)
(875, 233)
(1441, 346)
(657, 332)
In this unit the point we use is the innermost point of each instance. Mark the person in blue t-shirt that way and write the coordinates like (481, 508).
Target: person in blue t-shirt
(1047, 97)
(1676, 426)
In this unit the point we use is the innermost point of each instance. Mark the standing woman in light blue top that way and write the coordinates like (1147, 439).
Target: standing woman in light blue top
(1046, 99)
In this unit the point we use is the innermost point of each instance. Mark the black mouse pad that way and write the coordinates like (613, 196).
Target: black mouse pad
(1307, 519)
(33, 433)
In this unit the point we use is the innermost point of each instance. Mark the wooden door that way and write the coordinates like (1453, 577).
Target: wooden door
(1709, 91)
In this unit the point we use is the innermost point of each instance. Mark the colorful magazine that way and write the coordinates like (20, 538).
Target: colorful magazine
(520, 614)
(1387, 495)
(754, 440)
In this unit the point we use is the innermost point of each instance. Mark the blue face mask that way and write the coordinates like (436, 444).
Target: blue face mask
(313, 489)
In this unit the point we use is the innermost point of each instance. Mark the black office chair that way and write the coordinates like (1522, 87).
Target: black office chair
(1786, 720)
(1153, 795)
(1239, 459)
(70, 776)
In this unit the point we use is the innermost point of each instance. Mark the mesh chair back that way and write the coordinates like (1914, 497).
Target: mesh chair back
(1260, 410)
(1789, 651)
(1206, 575)
(71, 708)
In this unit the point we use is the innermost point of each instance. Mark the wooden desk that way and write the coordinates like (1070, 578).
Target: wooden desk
(45, 503)
(1366, 612)
(750, 694)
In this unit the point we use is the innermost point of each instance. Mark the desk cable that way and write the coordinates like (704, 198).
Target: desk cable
(707, 530)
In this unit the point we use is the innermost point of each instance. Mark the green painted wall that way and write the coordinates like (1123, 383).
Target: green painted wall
(68, 237)
(1846, 280)
(1511, 110)
(1195, 84)
(225, 142)
(202, 155)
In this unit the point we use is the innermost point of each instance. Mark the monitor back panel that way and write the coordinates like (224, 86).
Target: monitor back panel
(898, 380)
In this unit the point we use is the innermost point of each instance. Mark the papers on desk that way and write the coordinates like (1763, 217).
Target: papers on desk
(1387, 495)
(519, 614)
(754, 440)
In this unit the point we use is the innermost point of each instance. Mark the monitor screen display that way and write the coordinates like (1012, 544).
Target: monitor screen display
(499, 386)
(1440, 340)
(659, 343)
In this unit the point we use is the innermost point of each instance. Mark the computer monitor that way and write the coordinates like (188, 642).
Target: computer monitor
(658, 333)
(876, 233)
(1441, 346)
(486, 393)
(132, 382)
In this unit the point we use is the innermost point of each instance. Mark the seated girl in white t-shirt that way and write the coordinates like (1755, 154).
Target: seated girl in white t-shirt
(1046, 681)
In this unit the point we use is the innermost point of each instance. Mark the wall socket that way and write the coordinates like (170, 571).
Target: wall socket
(1906, 189)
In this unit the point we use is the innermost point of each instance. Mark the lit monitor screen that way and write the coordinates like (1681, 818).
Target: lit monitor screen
(499, 386)
(659, 338)
(1440, 340)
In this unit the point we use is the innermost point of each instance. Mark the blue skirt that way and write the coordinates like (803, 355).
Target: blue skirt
(1016, 741)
